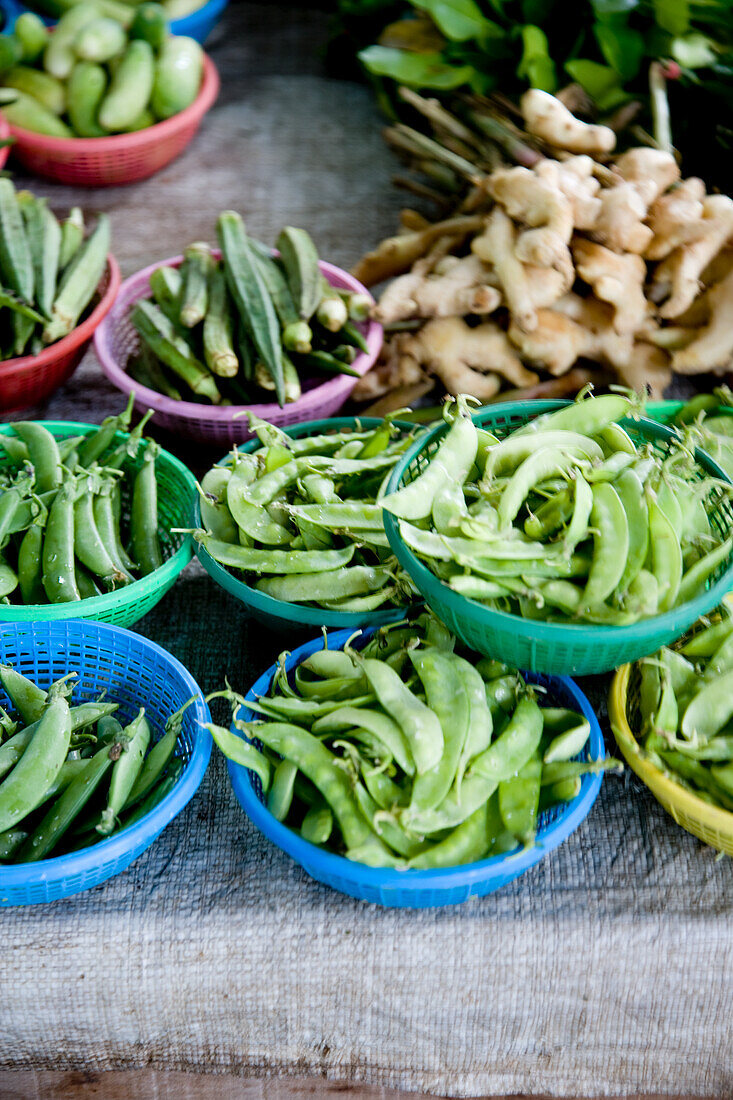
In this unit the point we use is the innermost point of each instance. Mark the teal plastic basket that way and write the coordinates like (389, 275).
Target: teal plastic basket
(176, 496)
(560, 648)
(277, 614)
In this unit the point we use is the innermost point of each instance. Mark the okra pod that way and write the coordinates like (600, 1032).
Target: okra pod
(160, 335)
(72, 235)
(219, 351)
(195, 292)
(79, 282)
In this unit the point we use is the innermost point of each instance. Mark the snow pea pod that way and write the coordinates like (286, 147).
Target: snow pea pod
(280, 795)
(610, 545)
(241, 751)
(666, 556)
(215, 514)
(705, 642)
(43, 452)
(516, 448)
(544, 462)
(519, 799)
(274, 561)
(588, 416)
(65, 809)
(447, 697)
(631, 494)
(27, 784)
(320, 586)
(317, 825)
(352, 514)
(451, 462)
(125, 771)
(420, 725)
(380, 725)
(360, 604)
(694, 579)
(710, 709)
(514, 746)
(468, 843)
(59, 579)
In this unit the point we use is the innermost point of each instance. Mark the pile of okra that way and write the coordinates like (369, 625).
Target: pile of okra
(63, 535)
(409, 752)
(49, 271)
(238, 330)
(71, 775)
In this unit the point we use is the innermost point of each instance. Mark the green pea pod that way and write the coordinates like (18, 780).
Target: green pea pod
(452, 461)
(514, 746)
(610, 545)
(317, 825)
(280, 795)
(630, 492)
(468, 843)
(160, 791)
(28, 699)
(26, 786)
(59, 579)
(587, 416)
(695, 578)
(710, 710)
(144, 515)
(380, 725)
(666, 556)
(705, 642)
(447, 696)
(10, 842)
(125, 772)
(419, 724)
(519, 799)
(155, 763)
(66, 808)
(241, 752)
(43, 453)
(569, 743)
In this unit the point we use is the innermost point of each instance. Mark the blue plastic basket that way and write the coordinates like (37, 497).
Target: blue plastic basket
(197, 25)
(134, 672)
(278, 614)
(421, 889)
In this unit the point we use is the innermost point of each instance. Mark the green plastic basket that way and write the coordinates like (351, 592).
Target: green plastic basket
(560, 648)
(176, 495)
(277, 614)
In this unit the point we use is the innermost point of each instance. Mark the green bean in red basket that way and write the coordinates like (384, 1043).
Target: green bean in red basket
(567, 518)
(79, 515)
(409, 781)
(307, 511)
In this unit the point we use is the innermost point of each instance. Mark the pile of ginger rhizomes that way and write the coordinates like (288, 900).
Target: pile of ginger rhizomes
(618, 263)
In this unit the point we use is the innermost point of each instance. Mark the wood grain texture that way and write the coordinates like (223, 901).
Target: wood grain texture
(151, 1085)
(604, 971)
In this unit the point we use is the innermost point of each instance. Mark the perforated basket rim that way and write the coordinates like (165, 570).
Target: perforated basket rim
(483, 871)
(532, 629)
(115, 846)
(661, 786)
(121, 597)
(122, 143)
(24, 364)
(281, 611)
(138, 286)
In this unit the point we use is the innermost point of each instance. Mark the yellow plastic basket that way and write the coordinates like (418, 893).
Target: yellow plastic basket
(708, 823)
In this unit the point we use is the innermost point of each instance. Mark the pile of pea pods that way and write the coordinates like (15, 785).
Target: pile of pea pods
(61, 512)
(410, 753)
(567, 518)
(686, 709)
(305, 513)
(71, 775)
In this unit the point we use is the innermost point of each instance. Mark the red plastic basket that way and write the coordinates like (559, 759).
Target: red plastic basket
(116, 340)
(30, 379)
(119, 158)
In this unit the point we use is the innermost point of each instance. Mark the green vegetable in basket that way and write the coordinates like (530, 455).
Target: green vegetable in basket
(43, 297)
(107, 68)
(685, 709)
(397, 754)
(238, 329)
(66, 784)
(567, 518)
(300, 517)
(63, 527)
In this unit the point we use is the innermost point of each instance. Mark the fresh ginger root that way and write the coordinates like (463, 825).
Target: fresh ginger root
(712, 348)
(559, 341)
(574, 178)
(496, 245)
(617, 279)
(538, 203)
(459, 288)
(677, 278)
(648, 371)
(547, 118)
(449, 348)
(676, 218)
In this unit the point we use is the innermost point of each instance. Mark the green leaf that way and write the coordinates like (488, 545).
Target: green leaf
(459, 20)
(597, 79)
(622, 47)
(613, 7)
(536, 65)
(417, 70)
(672, 15)
(537, 11)
(694, 51)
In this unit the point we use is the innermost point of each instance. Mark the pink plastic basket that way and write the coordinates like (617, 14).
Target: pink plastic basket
(32, 378)
(119, 158)
(116, 340)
